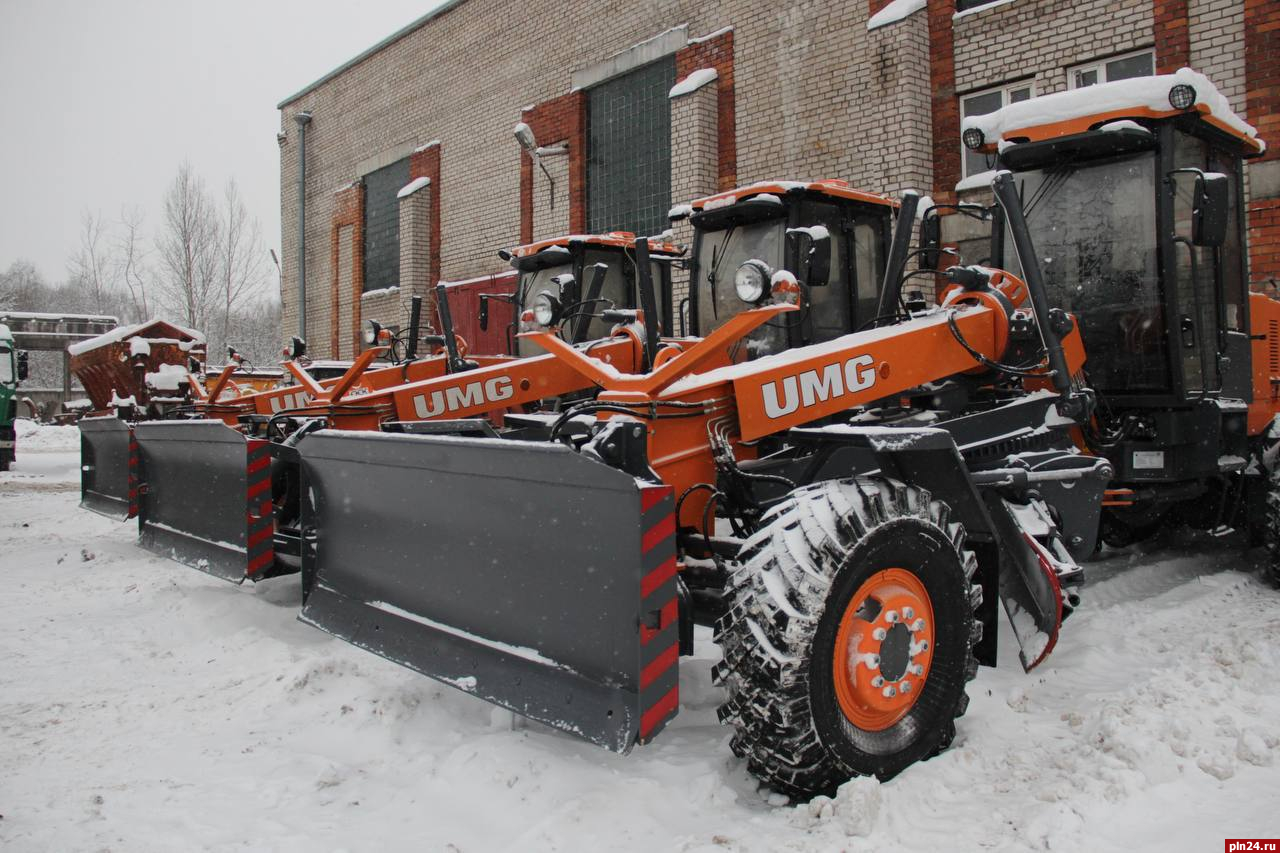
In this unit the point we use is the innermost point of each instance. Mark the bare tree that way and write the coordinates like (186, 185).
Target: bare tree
(21, 286)
(91, 267)
(241, 269)
(188, 249)
(131, 261)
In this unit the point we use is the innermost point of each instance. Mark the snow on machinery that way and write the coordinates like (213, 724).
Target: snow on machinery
(847, 513)
(244, 524)
(13, 370)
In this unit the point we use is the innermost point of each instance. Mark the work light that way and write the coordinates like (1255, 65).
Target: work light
(1182, 96)
(973, 138)
(750, 280)
(545, 308)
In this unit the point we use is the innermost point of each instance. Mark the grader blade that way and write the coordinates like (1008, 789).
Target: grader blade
(206, 498)
(1029, 581)
(108, 467)
(520, 572)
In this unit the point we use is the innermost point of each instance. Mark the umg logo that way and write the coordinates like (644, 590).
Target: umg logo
(293, 400)
(458, 397)
(818, 385)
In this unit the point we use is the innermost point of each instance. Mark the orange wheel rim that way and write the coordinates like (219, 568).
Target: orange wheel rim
(883, 649)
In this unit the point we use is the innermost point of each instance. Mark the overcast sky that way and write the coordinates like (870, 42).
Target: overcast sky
(100, 102)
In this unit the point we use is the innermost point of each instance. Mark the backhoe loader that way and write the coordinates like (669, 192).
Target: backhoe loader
(847, 511)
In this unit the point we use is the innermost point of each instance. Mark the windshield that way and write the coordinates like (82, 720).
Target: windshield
(531, 284)
(720, 253)
(1094, 228)
(6, 366)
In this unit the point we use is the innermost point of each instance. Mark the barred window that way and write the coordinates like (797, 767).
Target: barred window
(629, 151)
(382, 225)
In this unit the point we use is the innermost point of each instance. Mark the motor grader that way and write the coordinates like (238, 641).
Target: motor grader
(243, 523)
(846, 512)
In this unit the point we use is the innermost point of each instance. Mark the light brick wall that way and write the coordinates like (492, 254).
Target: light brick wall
(1217, 46)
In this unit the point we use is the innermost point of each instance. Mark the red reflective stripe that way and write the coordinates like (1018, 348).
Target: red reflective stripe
(256, 465)
(659, 711)
(261, 536)
(657, 533)
(649, 497)
(657, 577)
(259, 487)
(259, 563)
(667, 616)
(659, 665)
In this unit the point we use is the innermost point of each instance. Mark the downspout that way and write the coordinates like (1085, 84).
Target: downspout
(303, 119)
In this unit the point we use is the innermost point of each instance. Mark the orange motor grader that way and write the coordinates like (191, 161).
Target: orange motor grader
(847, 512)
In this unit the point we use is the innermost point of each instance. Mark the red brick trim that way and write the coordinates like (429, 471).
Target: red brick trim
(946, 106)
(562, 119)
(717, 53)
(1264, 240)
(348, 209)
(1262, 71)
(874, 6)
(1172, 35)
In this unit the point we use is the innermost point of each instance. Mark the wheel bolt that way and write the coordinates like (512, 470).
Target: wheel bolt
(907, 613)
(917, 625)
(878, 681)
(879, 634)
(905, 687)
(891, 616)
(916, 669)
(889, 692)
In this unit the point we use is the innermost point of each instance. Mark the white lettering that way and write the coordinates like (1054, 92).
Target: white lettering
(423, 411)
(471, 395)
(498, 388)
(818, 386)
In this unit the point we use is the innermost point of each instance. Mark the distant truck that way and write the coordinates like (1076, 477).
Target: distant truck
(13, 369)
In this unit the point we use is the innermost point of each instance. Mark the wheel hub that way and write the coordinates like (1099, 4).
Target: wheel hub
(883, 649)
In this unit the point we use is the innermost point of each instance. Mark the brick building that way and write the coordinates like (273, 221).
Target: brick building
(413, 173)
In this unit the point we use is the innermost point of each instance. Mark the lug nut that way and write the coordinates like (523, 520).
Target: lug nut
(905, 687)
(879, 634)
(889, 692)
(878, 681)
(891, 616)
(917, 625)
(907, 613)
(916, 669)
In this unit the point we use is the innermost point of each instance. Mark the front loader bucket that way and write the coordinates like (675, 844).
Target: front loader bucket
(108, 467)
(520, 572)
(206, 497)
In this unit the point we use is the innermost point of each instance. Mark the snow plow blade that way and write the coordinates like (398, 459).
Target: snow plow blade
(108, 467)
(523, 573)
(206, 497)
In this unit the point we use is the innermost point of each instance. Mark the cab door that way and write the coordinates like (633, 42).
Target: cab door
(1196, 332)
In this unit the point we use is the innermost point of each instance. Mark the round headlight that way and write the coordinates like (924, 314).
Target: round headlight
(371, 333)
(750, 280)
(1182, 96)
(544, 308)
(973, 138)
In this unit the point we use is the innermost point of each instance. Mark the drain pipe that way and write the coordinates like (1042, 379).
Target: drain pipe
(303, 119)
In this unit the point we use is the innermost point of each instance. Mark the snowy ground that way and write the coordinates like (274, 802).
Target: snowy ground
(145, 706)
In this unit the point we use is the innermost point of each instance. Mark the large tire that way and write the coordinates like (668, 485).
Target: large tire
(1271, 525)
(789, 601)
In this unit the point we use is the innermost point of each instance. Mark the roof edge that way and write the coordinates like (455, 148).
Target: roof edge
(368, 52)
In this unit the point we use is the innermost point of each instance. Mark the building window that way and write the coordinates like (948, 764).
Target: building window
(988, 101)
(1140, 64)
(966, 5)
(382, 225)
(629, 150)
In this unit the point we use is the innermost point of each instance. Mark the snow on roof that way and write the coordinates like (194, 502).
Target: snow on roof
(894, 12)
(4, 332)
(42, 315)
(413, 186)
(1142, 97)
(695, 81)
(121, 332)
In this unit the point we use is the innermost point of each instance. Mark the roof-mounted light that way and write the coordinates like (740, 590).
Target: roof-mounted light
(973, 138)
(1182, 96)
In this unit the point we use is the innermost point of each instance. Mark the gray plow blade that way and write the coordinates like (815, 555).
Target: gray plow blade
(108, 468)
(206, 500)
(520, 572)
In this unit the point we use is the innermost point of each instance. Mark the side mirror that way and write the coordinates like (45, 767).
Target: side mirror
(567, 286)
(1209, 213)
(930, 240)
(297, 348)
(813, 254)
(24, 365)
(484, 312)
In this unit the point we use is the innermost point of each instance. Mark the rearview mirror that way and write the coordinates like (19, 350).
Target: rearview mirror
(1209, 210)
(930, 240)
(813, 254)
(24, 365)
(484, 312)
